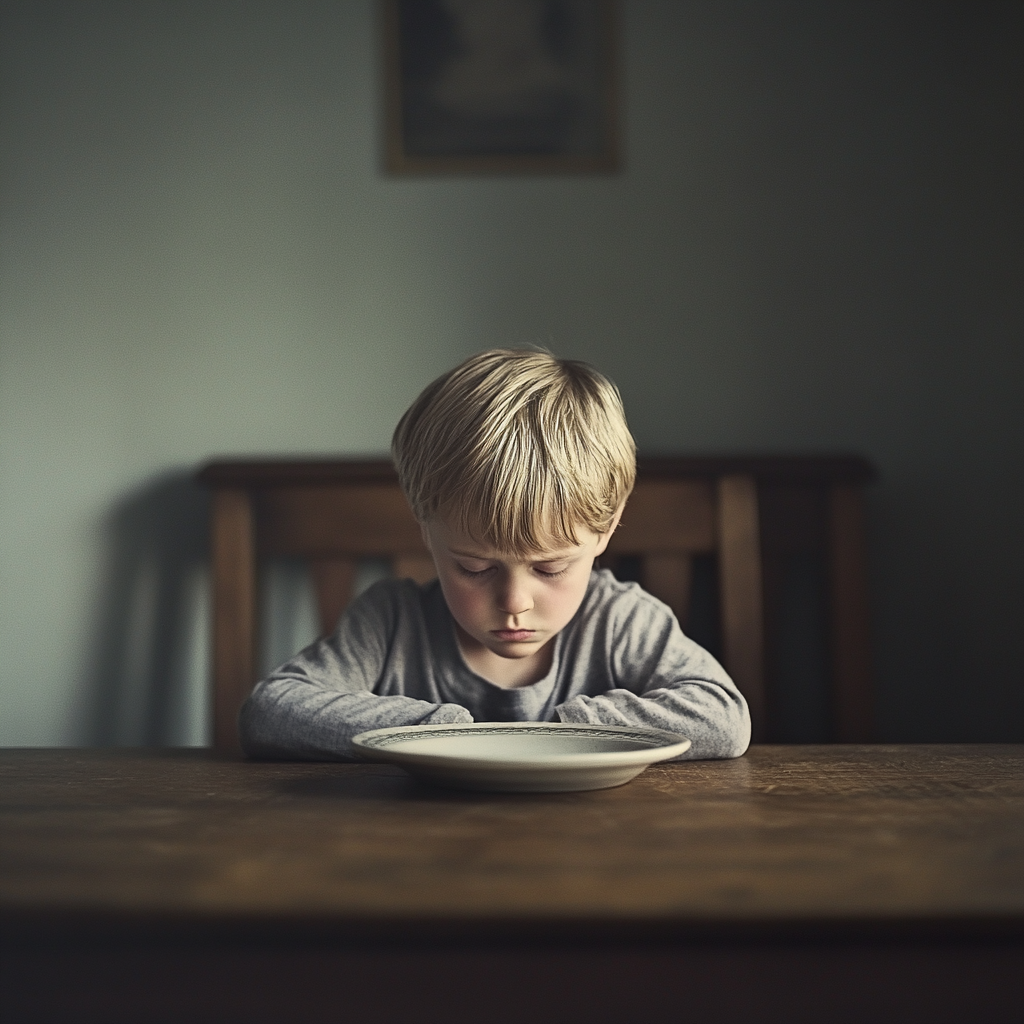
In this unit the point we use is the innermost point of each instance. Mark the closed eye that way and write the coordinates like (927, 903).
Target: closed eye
(473, 573)
(551, 574)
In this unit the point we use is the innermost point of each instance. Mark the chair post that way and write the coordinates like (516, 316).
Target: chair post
(234, 611)
(850, 628)
(741, 594)
(333, 580)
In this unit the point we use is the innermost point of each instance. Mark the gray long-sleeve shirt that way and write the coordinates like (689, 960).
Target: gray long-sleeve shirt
(394, 660)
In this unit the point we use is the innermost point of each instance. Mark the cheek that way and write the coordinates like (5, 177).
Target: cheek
(565, 599)
(464, 600)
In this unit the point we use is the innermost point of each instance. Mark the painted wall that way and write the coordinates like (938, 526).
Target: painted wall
(815, 246)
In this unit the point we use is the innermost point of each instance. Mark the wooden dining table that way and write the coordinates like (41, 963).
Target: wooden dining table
(796, 883)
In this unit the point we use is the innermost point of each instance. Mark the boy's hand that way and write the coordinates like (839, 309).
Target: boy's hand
(448, 714)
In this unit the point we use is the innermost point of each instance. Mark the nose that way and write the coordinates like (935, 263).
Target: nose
(514, 597)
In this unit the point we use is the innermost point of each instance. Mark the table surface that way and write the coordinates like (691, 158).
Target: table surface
(926, 837)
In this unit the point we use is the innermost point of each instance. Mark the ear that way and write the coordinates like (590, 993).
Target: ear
(602, 541)
(425, 533)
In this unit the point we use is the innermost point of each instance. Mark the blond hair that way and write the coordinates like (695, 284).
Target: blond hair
(517, 448)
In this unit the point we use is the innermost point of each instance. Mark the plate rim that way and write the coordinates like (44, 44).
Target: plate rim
(674, 745)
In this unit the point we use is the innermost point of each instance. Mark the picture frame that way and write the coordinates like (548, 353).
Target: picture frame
(501, 86)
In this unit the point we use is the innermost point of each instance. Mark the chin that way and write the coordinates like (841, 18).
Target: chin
(514, 652)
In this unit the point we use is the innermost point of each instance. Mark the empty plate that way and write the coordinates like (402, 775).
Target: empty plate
(521, 757)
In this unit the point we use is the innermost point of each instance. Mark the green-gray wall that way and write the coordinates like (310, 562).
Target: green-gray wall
(814, 246)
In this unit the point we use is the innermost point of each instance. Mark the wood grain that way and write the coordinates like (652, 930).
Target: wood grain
(838, 836)
(667, 516)
(354, 519)
(824, 885)
(234, 610)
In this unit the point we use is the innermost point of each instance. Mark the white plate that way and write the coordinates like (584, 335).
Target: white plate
(521, 757)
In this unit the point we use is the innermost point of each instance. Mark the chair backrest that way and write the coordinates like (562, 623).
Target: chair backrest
(750, 514)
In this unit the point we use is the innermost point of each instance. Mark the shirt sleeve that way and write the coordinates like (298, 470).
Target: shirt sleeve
(663, 680)
(312, 706)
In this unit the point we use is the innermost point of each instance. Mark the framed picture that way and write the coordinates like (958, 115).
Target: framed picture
(506, 86)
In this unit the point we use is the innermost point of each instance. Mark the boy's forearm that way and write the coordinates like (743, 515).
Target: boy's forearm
(289, 718)
(714, 719)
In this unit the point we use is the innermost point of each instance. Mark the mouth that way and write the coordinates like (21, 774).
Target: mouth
(514, 635)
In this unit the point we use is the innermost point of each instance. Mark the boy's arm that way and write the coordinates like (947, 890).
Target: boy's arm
(313, 705)
(295, 718)
(663, 680)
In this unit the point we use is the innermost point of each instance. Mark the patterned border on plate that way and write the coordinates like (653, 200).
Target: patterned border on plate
(380, 742)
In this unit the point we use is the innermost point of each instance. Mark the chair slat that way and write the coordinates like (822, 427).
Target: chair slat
(418, 568)
(741, 593)
(234, 611)
(668, 578)
(667, 515)
(362, 519)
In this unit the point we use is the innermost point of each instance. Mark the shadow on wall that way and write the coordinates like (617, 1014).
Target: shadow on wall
(147, 683)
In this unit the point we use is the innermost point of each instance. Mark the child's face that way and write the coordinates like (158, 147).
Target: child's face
(510, 606)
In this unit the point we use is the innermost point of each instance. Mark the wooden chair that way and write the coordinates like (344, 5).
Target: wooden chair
(750, 514)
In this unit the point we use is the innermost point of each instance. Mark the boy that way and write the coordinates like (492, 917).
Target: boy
(517, 466)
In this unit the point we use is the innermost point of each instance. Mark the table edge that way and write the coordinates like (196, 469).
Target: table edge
(20, 925)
